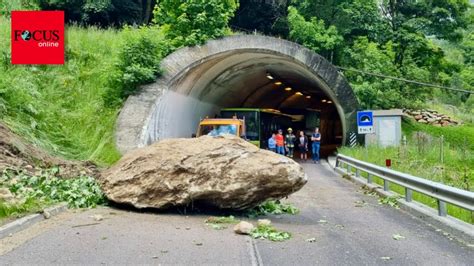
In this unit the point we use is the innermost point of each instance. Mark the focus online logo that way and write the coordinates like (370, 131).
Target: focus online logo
(45, 38)
(37, 37)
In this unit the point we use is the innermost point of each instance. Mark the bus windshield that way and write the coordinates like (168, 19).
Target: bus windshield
(252, 131)
(218, 130)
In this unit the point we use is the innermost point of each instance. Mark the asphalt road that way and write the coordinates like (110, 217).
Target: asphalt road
(348, 228)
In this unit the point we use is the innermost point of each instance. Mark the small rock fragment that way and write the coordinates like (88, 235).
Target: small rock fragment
(263, 222)
(243, 228)
(311, 240)
(98, 217)
(385, 258)
(46, 214)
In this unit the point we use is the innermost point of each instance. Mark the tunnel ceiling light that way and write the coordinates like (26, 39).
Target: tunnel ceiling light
(269, 76)
(298, 93)
(329, 101)
(308, 97)
(324, 100)
(288, 88)
(278, 83)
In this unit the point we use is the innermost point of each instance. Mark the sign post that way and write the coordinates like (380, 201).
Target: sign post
(365, 122)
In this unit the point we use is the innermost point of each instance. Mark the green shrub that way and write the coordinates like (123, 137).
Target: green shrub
(189, 23)
(138, 63)
(272, 207)
(81, 192)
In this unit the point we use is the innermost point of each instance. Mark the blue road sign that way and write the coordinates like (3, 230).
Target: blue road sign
(365, 119)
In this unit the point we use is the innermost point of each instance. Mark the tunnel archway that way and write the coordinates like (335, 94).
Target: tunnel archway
(235, 71)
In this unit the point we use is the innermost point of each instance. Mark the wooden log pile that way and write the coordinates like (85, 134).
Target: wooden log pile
(431, 117)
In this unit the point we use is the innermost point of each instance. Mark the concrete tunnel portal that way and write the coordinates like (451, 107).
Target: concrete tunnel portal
(240, 71)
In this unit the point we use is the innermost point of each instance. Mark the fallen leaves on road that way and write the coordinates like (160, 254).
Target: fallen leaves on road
(398, 237)
(391, 201)
(269, 232)
(311, 240)
(220, 223)
(360, 203)
(197, 243)
(385, 258)
(339, 226)
(322, 221)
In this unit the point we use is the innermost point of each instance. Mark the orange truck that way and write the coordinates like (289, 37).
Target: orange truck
(220, 126)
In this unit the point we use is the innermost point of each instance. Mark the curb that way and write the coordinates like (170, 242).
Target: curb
(25, 222)
(449, 226)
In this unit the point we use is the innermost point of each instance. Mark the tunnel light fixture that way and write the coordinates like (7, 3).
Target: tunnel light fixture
(298, 93)
(269, 76)
(324, 100)
(329, 101)
(308, 97)
(278, 83)
(288, 88)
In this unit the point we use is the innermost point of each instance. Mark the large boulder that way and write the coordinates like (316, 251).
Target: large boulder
(225, 172)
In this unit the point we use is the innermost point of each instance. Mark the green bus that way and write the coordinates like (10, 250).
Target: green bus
(259, 123)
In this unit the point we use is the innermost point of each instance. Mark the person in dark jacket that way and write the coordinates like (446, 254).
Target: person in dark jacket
(303, 146)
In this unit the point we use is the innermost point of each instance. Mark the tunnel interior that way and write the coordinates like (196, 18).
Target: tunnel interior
(248, 79)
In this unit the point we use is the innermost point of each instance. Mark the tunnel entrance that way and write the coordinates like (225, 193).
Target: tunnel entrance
(240, 72)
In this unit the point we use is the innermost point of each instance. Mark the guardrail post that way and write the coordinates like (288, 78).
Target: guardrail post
(337, 162)
(369, 178)
(349, 169)
(357, 172)
(408, 194)
(386, 185)
(442, 208)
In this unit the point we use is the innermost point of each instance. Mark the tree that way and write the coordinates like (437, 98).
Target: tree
(192, 22)
(103, 13)
(376, 92)
(313, 33)
(268, 17)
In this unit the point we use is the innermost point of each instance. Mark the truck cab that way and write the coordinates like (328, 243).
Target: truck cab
(220, 126)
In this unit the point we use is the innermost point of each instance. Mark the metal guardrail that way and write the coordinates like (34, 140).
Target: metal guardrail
(442, 193)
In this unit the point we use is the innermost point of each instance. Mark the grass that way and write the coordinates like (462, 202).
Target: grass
(60, 108)
(16, 210)
(423, 159)
(66, 109)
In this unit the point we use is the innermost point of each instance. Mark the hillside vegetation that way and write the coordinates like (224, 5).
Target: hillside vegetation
(71, 109)
(60, 107)
(441, 154)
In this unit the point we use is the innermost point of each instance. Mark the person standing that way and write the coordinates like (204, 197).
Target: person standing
(303, 146)
(316, 139)
(272, 143)
(280, 142)
(290, 140)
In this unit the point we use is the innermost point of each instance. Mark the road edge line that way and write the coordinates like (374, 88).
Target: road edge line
(29, 220)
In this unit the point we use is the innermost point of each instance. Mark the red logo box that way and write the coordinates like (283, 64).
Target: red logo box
(37, 37)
